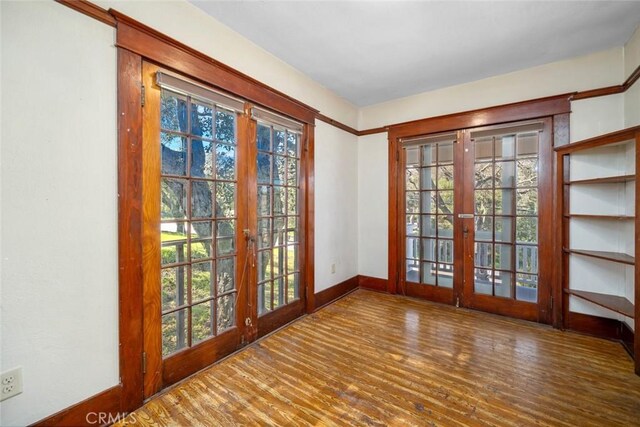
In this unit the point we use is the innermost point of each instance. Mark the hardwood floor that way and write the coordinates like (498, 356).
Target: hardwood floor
(382, 360)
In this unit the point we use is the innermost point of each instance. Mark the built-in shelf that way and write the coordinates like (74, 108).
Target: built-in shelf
(599, 172)
(591, 216)
(609, 256)
(615, 303)
(606, 180)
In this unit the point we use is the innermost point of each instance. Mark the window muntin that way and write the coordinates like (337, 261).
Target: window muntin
(429, 191)
(506, 216)
(198, 220)
(278, 211)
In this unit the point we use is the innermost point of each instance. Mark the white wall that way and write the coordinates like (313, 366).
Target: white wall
(336, 205)
(373, 205)
(59, 207)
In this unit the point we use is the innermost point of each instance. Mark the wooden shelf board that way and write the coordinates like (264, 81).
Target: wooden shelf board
(609, 256)
(611, 302)
(590, 216)
(606, 180)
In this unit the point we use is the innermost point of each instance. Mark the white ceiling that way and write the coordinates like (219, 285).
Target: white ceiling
(373, 51)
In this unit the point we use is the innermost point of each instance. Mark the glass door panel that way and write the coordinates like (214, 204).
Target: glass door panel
(429, 207)
(197, 220)
(505, 222)
(278, 215)
(506, 171)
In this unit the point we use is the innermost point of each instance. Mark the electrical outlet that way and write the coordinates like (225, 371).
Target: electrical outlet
(333, 268)
(10, 383)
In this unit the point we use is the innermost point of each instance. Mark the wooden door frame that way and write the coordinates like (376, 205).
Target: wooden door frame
(137, 43)
(557, 107)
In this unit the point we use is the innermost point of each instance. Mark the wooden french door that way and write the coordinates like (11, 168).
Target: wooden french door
(432, 202)
(478, 212)
(221, 225)
(508, 206)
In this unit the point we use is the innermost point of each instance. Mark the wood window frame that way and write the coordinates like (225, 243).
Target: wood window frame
(136, 43)
(557, 107)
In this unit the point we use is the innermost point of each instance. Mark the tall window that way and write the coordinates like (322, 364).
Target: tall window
(198, 220)
(278, 164)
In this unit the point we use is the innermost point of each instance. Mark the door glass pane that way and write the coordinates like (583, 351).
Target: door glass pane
(503, 285)
(483, 281)
(278, 208)
(506, 207)
(198, 145)
(429, 191)
(174, 154)
(174, 331)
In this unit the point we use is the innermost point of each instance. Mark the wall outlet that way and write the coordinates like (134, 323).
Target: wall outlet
(10, 383)
(333, 269)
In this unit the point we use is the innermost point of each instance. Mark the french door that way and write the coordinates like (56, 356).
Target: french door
(476, 203)
(222, 216)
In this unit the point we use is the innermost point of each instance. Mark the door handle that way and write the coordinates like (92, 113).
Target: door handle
(465, 216)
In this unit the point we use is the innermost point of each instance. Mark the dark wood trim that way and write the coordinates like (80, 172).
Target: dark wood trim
(598, 141)
(309, 219)
(82, 413)
(525, 110)
(636, 350)
(279, 317)
(90, 9)
(635, 75)
(198, 357)
(335, 292)
(373, 283)
(627, 338)
(593, 93)
(162, 49)
(337, 124)
(615, 303)
(608, 256)
(130, 259)
(601, 327)
(372, 131)
(561, 134)
(394, 215)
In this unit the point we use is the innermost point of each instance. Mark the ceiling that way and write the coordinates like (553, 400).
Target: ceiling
(373, 51)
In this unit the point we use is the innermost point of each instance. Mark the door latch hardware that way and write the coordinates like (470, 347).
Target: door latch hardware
(465, 216)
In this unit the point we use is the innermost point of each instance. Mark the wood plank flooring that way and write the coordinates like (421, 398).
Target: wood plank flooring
(372, 359)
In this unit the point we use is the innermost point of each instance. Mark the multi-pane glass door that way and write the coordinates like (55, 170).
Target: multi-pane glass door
(278, 219)
(473, 204)
(198, 220)
(223, 210)
(507, 185)
(429, 208)
(506, 216)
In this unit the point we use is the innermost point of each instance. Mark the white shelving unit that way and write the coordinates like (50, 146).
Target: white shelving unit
(597, 197)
